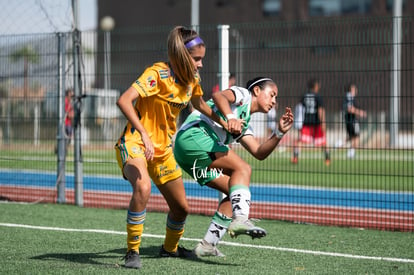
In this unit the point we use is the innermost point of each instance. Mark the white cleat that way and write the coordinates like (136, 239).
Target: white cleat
(243, 226)
(204, 249)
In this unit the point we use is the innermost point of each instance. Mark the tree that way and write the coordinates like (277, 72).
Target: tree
(29, 55)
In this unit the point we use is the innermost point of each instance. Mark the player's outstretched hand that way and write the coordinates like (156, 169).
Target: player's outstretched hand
(286, 121)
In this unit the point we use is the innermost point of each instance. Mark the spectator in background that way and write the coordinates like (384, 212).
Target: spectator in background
(314, 123)
(232, 82)
(69, 115)
(352, 113)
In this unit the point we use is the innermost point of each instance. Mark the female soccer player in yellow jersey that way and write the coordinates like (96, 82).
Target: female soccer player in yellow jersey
(144, 150)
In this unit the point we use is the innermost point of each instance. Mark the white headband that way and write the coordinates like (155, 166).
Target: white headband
(257, 81)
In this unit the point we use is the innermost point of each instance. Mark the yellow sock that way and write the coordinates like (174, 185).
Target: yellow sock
(135, 227)
(174, 231)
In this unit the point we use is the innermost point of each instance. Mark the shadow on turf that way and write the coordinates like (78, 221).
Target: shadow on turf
(95, 258)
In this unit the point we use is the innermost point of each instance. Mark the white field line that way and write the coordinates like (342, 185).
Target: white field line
(331, 254)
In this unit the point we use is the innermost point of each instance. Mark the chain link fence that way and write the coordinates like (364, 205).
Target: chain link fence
(373, 190)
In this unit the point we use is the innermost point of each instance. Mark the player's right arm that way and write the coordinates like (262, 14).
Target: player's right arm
(262, 151)
(354, 110)
(222, 101)
(126, 104)
(321, 112)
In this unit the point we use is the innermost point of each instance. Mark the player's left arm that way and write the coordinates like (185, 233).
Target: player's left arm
(321, 114)
(262, 151)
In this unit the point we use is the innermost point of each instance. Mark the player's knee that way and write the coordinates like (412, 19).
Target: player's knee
(141, 189)
(180, 212)
(245, 169)
(185, 211)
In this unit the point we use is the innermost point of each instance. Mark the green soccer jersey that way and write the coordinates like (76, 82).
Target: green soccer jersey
(240, 108)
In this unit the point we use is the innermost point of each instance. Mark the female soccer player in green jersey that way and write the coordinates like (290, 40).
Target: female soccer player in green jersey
(201, 149)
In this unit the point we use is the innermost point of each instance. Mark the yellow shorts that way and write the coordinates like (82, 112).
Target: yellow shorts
(160, 169)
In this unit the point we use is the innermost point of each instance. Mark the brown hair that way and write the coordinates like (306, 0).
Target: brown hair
(179, 56)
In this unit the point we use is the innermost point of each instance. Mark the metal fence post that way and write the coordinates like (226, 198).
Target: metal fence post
(223, 70)
(77, 121)
(60, 139)
(395, 72)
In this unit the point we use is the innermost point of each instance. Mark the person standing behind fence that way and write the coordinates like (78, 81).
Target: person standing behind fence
(351, 115)
(69, 115)
(144, 150)
(201, 149)
(314, 123)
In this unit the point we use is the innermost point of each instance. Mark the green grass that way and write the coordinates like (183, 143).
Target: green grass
(390, 170)
(41, 251)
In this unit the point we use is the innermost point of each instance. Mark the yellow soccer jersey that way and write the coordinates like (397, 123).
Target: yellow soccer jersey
(159, 103)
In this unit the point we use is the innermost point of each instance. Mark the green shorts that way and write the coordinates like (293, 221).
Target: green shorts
(194, 150)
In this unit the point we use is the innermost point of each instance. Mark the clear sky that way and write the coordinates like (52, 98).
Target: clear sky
(45, 16)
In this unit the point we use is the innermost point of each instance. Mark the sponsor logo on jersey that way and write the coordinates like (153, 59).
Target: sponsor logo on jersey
(177, 105)
(164, 171)
(151, 82)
